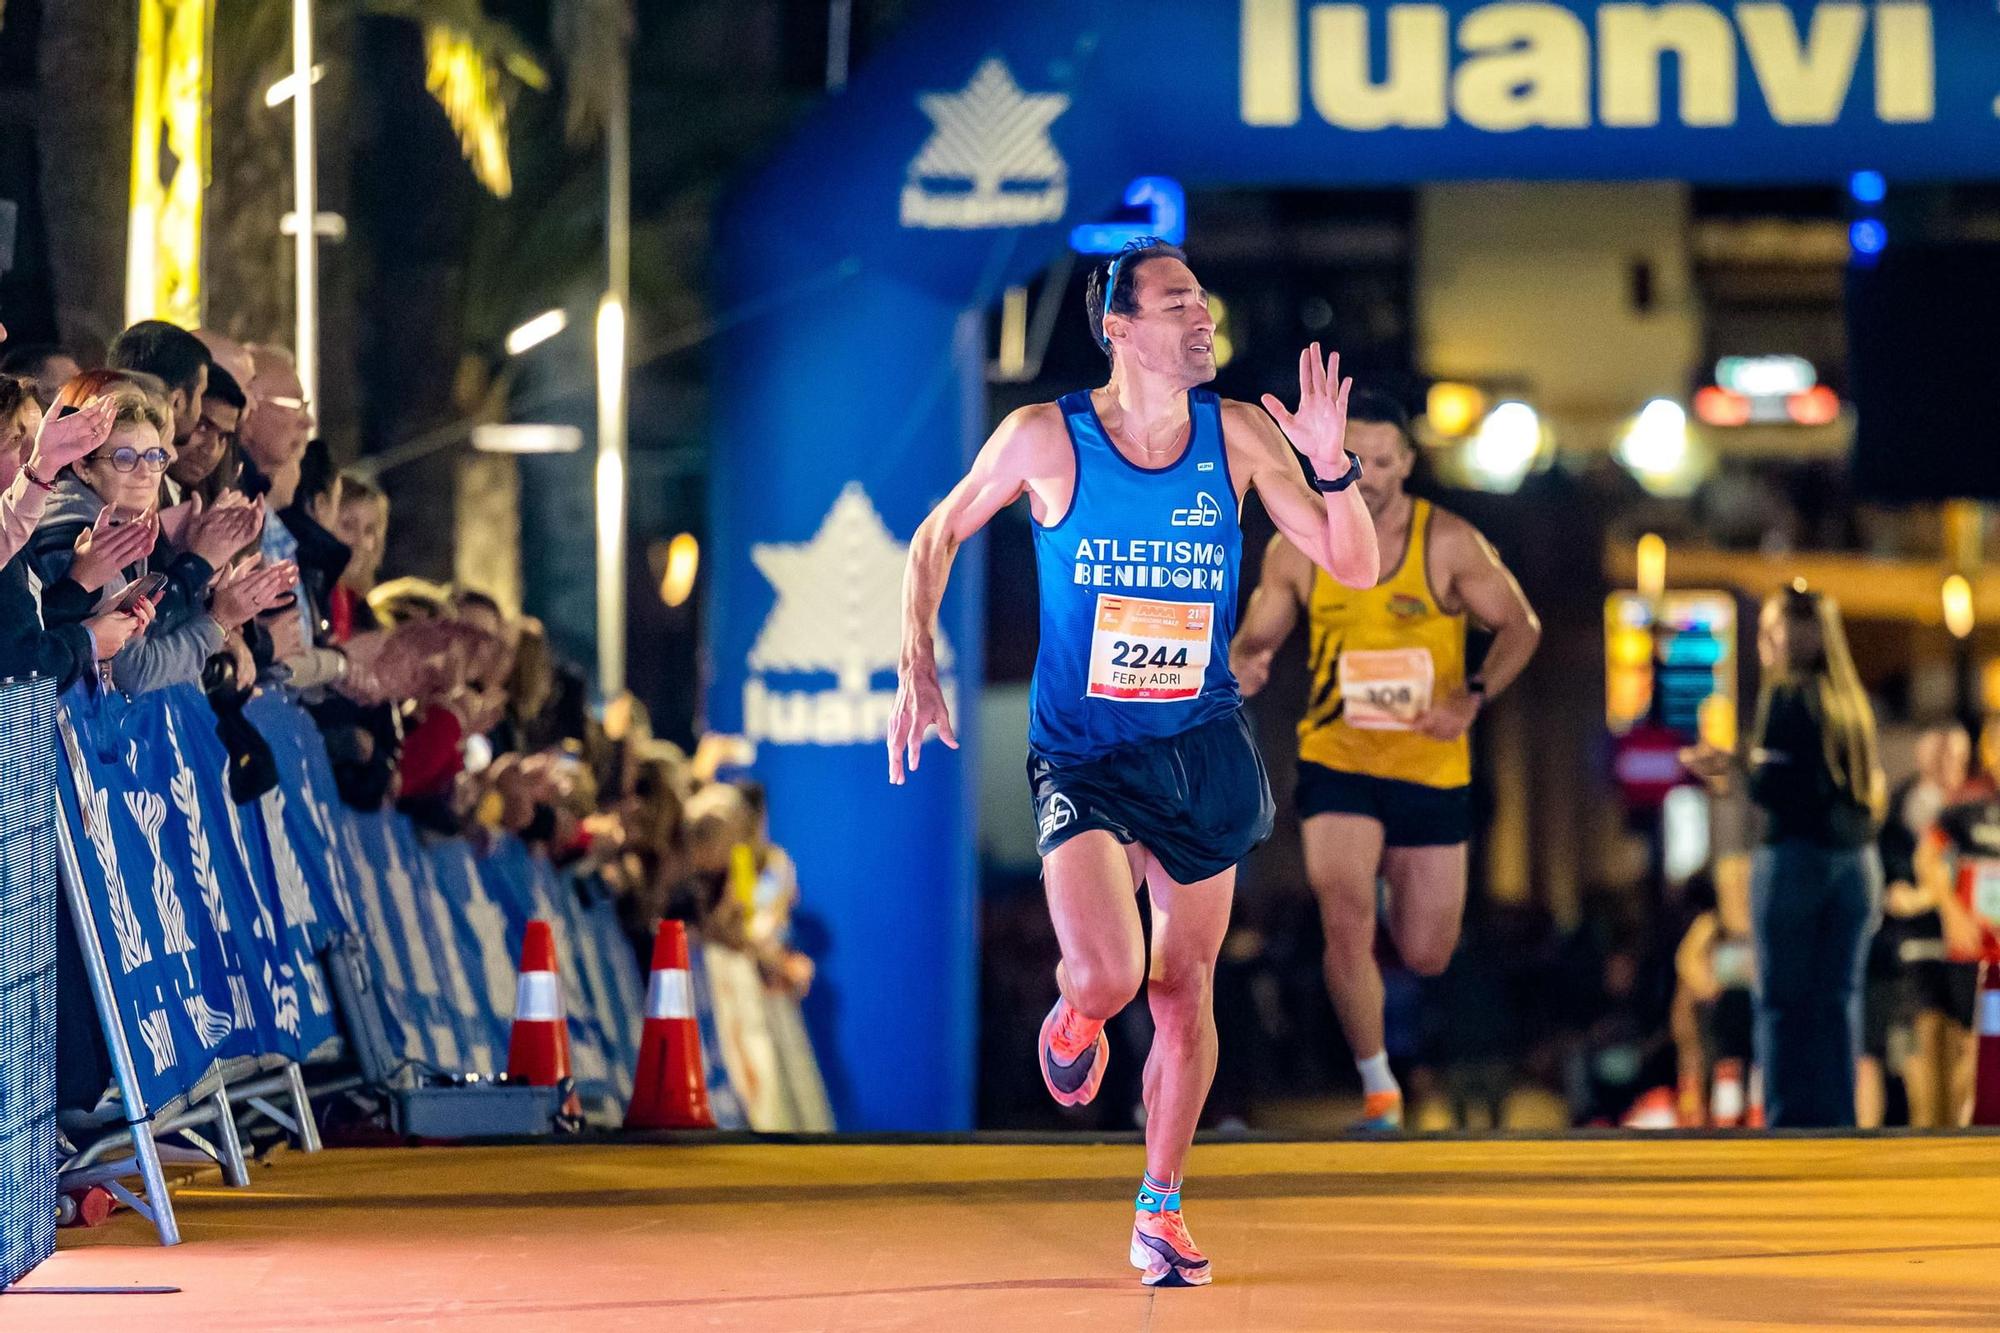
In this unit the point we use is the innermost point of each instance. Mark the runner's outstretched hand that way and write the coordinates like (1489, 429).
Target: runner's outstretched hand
(1319, 428)
(920, 706)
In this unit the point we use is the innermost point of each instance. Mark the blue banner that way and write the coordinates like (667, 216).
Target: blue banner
(723, 1102)
(850, 373)
(312, 809)
(212, 917)
(179, 970)
(486, 932)
(393, 891)
(257, 859)
(621, 998)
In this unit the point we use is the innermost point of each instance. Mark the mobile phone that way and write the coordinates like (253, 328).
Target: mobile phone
(283, 606)
(118, 516)
(65, 410)
(140, 589)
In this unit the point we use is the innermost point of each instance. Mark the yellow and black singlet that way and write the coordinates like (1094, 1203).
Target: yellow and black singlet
(1378, 658)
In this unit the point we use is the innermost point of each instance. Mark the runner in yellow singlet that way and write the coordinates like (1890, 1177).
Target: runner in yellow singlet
(1384, 759)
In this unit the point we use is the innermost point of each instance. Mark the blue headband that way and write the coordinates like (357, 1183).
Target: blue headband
(1111, 280)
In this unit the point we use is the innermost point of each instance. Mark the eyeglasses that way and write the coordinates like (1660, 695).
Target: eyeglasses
(299, 405)
(125, 458)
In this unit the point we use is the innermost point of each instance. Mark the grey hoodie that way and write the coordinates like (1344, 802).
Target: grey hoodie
(172, 656)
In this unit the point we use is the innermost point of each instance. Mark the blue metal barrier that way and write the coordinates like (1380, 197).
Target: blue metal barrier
(207, 922)
(27, 977)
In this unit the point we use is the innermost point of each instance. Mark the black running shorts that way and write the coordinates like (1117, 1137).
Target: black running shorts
(1411, 814)
(1951, 989)
(1198, 801)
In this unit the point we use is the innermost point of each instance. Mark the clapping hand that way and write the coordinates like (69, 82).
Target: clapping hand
(247, 587)
(66, 439)
(230, 524)
(108, 546)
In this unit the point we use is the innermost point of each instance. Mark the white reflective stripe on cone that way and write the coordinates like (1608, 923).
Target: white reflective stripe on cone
(670, 994)
(1727, 1101)
(1989, 1012)
(538, 999)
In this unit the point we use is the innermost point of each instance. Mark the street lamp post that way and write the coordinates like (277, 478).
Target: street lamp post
(612, 319)
(305, 201)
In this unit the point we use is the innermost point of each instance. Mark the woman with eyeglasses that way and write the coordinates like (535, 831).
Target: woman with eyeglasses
(100, 532)
(31, 450)
(1816, 882)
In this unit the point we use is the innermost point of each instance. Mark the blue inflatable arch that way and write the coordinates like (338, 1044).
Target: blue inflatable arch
(854, 267)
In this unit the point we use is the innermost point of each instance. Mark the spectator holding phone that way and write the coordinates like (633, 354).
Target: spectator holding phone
(98, 532)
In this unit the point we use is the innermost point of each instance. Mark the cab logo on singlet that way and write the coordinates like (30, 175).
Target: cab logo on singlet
(989, 161)
(1405, 607)
(1203, 513)
(822, 671)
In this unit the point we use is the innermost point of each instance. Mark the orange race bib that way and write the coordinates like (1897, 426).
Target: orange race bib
(1983, 890)
(1979, 891)
(1385, 689)
(1145, 651)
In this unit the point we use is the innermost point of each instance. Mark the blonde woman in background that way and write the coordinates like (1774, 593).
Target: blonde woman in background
(1816, 891)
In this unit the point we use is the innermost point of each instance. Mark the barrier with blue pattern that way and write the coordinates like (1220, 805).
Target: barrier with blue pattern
(213, 918)
(28, 898)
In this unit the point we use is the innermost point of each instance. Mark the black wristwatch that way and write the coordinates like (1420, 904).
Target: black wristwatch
(1341, 482)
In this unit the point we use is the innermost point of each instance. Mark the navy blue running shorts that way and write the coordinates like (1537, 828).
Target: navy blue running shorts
(1198, 801)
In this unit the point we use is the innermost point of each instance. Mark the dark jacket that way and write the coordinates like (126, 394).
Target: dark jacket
(1789, 778)
(26, 648)
(322, 559)
(363, 741)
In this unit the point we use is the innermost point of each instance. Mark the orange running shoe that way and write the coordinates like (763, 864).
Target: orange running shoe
(1381, 1113)
(1075, 1082)
(1164, 1253)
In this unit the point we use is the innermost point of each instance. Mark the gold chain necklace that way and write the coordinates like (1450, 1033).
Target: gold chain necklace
(1149, 450)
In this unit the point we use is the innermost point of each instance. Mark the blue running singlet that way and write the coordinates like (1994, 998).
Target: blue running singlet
(1138, 593)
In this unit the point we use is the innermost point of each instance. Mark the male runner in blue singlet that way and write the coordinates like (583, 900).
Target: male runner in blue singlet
(1141, 765)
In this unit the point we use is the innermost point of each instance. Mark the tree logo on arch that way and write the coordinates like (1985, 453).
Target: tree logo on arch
(840, 613)
(989, 161)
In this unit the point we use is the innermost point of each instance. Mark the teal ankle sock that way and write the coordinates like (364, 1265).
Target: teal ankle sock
(1157, 1196)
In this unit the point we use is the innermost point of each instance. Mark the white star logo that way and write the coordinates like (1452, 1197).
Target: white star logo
(996, 137)
(840, 598)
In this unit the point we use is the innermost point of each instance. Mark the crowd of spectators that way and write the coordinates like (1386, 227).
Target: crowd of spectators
(169, 518)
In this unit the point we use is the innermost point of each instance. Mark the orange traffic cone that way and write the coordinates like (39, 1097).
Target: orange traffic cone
(671, 1091)
(538, 1047)
(1986, 1025)
(1728, 1100)
(1653, 1110)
